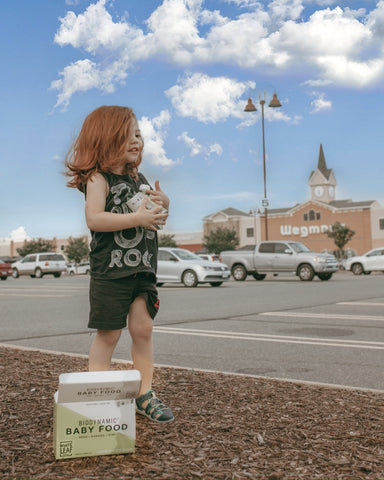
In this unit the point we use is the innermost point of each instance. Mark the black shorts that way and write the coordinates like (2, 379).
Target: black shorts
(110, 299)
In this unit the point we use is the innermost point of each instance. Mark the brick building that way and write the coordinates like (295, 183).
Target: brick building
(309, 222)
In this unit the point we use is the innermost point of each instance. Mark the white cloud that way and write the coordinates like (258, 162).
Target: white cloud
(342, 70)
(216, 148)
(92, 30)
(208, 99)
(154, 132)
(282, 10)
(198, 149)
(320, 102)
(342, 46)
(84, 75)
(191, 143)
(19, 235)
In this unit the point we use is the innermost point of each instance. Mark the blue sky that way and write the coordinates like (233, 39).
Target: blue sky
(187, 67)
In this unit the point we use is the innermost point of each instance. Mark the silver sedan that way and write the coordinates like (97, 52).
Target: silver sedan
(176, 265)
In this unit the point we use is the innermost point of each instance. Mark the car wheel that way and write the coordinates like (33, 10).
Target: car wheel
(239, 273)
(71, 273)
(305, 272)
(357, 269)
(4, 278)
(57, 274)
(15, 273)
(38, 273)
(189, 278)
(215, 284)
(324, 276)
(258, 276)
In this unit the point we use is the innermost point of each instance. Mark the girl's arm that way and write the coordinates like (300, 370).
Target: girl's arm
(100, 221)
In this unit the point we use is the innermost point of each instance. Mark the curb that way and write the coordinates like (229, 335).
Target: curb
(128, 362)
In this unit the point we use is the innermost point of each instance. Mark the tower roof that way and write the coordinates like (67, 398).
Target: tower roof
(322, 166)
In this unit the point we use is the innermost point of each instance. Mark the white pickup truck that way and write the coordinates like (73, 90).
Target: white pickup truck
(279, 257)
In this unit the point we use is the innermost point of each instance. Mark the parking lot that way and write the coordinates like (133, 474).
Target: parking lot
(328, 332)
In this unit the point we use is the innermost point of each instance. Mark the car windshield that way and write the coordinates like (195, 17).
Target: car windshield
(298, 247)
(186, 255)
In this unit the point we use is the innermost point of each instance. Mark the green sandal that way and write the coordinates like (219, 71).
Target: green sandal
(155, 409)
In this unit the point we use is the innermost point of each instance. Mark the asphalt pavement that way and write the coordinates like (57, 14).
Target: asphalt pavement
(327, 332)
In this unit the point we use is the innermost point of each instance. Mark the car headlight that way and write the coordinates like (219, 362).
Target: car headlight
(207, 268)
(320, 259)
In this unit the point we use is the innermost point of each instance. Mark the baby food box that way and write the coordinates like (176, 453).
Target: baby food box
(135, 202)
(94, 413)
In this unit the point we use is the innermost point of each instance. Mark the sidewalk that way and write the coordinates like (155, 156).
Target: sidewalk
(226, 427)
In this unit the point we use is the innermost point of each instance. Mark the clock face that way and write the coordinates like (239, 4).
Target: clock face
(319, 191)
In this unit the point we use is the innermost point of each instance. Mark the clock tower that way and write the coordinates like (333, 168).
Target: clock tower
(322, 181)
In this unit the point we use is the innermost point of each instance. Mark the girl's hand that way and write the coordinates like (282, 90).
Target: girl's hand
(150, 218)
(158, 196)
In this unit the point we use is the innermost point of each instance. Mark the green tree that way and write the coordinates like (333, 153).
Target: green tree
(77, 250)
(341, 235)
(167, 240)
(35, 246)
(221, 239)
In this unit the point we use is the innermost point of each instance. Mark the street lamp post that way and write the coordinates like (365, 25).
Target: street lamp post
(250, 107)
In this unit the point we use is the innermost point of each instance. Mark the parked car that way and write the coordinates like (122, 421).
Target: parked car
(367, 263)
(279, 257)
(212, 257)
(82, 268)
(40, 264)
(176, 265)
(5, 269)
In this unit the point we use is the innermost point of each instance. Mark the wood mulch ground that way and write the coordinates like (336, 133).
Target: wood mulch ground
(226, 427)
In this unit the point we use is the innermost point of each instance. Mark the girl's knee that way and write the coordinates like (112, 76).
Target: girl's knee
(142, 330)
(110, 337)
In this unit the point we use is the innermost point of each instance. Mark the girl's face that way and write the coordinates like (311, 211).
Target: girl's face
(134, 145)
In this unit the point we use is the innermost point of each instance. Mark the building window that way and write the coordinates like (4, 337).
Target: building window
(317, 215)
(311, 215)
(250, 232)
(381, 223)
(305, 217)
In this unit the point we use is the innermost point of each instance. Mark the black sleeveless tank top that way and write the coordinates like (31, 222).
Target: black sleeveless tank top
(125, 252)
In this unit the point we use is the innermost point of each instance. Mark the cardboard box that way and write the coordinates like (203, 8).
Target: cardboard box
(94, 413)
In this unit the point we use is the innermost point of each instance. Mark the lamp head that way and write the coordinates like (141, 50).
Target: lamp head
(275, 103)
(250, 107)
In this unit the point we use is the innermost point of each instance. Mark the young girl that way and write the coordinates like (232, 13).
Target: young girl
(103, 164)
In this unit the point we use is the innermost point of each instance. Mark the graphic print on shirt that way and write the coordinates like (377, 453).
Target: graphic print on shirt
(130, 256)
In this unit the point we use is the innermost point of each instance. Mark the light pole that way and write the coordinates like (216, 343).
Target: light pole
(250, 107)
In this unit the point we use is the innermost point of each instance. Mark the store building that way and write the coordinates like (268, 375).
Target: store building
(310, 221)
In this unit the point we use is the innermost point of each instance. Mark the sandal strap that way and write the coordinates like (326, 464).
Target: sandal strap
(146, 396)
(155, 408)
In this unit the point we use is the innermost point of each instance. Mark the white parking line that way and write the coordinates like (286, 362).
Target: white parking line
(32, 295)
(272, 338)
(338, 316)
(365, 304)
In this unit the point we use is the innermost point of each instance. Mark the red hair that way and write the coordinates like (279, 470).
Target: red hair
(100, 145)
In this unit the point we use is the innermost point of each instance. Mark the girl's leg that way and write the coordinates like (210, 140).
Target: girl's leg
(102, 348)
(140, 327)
